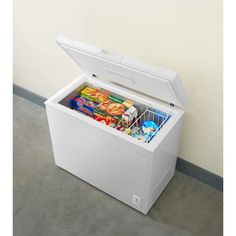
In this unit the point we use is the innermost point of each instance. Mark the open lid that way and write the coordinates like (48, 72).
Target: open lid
(151, 80)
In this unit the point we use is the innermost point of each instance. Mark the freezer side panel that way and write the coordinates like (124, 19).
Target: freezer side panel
(106, 161)
(164, 162)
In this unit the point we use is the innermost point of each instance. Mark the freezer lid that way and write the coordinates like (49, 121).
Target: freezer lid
(147, 79)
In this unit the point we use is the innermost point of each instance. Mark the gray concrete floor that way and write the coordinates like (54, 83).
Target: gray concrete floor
(49, 201)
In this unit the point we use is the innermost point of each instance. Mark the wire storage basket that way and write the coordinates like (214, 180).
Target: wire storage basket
(158, 117)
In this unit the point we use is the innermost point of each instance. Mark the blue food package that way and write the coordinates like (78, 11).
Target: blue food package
(146, 131)
(83, 105)
(149, 127)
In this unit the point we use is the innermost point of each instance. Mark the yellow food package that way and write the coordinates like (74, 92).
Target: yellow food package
(93, 94)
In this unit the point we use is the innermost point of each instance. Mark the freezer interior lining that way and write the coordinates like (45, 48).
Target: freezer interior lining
(144, 112)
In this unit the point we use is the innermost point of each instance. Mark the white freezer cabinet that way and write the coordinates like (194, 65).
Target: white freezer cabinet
(122, 166)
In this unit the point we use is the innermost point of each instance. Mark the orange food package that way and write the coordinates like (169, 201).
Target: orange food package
(113, 107)
(93, 94)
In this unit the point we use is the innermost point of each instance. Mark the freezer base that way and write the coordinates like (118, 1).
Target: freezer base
(135, 199)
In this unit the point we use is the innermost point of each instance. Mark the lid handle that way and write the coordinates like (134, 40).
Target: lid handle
(110, 54)
(121, 77)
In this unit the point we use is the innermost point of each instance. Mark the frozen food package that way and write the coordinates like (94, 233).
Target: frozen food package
(93, 94)
(129, 116)
(83, 105)
(107, 120)
(114, 107)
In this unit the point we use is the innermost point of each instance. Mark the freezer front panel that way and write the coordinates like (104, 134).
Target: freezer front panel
(108, 162)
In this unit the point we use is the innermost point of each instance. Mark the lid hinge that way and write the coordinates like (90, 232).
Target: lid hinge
(172, 104)
(94, 75)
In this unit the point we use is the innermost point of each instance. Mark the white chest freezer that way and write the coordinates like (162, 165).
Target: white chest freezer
(129, 169)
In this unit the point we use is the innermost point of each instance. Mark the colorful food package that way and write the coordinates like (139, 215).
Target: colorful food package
(83, 105)
(120, 128)
(146, 131)
(137, 133)
(100, 115)
(149, 127)
(113, 107)
(93, 94)
(105, 120)
(127, 131)
(129, 116)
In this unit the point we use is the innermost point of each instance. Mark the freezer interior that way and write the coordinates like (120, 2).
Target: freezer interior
(144, 126)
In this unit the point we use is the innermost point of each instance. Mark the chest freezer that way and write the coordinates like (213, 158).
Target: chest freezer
(129, 169)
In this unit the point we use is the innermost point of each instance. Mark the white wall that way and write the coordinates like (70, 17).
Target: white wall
(182, 35)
